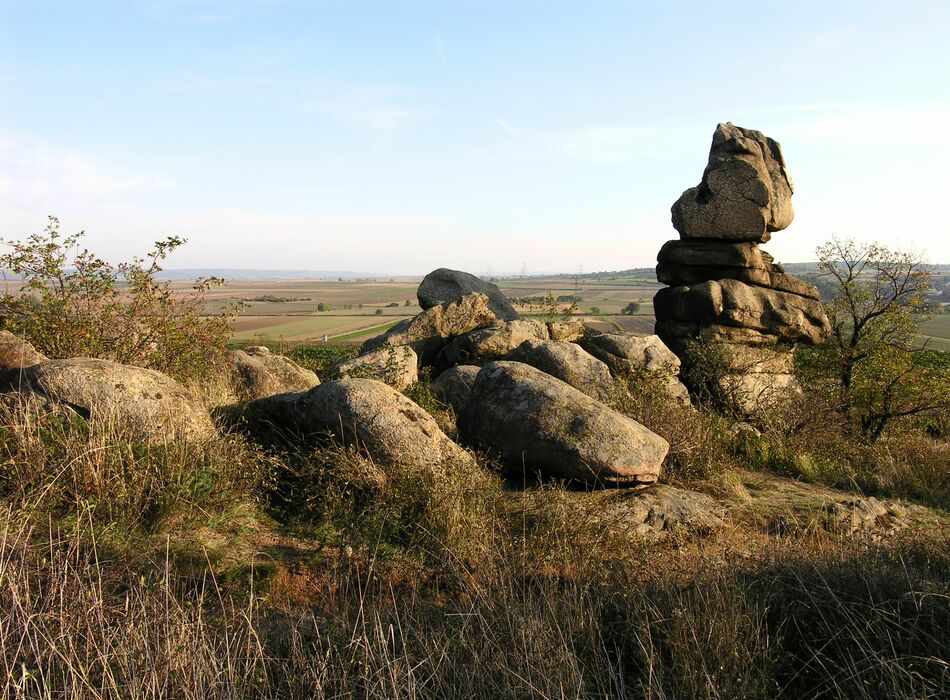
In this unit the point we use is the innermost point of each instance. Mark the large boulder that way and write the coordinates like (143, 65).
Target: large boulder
(745, 193)
(370, 415)
(490, 343)
(568, 362)
(568, 331)
(537, 422)
(429, 331)
(147, 403)
(627, 355)
(16, 353)
(789, 317)
(257, 372)
(397, 365)
(445, 285)
(454, 386)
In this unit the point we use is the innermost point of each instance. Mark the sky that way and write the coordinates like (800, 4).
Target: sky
(492, 136)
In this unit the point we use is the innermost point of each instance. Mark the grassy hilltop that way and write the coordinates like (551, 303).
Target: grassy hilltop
(795, 558)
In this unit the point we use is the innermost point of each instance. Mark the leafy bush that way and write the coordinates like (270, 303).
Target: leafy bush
(72, 303)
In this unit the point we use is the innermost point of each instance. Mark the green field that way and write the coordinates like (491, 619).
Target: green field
(937, 332)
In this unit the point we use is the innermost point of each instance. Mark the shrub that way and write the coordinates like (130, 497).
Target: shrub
(73, 303)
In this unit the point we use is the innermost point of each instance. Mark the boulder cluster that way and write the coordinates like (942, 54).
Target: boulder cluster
(722, 286)
(533, 395)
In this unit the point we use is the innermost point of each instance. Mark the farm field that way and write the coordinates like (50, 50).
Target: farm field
(937, 332)
(273, 310)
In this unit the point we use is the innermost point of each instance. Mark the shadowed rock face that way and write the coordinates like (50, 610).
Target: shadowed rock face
(257, 372)
(445, 285)
(536, 422)
(745, 193)
(16, 353)
(454, 386)
(490, 343)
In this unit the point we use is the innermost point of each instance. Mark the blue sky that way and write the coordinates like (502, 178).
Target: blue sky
(402, 136)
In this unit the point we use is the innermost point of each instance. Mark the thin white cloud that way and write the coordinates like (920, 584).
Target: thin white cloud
(383, 108)
(606, 144)
(32, 173)
(507, 127)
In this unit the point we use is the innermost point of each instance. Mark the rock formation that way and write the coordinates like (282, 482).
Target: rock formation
(723, 287)
(445, 285)
(256, 372)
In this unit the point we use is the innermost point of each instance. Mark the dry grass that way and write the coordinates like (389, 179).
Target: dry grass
(191, 571)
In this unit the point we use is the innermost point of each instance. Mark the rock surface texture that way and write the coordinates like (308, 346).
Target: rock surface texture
(397, 366)
(630, 354)
(454, 386)
(722, 286)
(149, 404)
(370, 415)
(536, 422)
(568, 362)
(445, 285)
(257, 372)
(16, 353)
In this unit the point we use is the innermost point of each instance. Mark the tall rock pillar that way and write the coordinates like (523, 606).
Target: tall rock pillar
(722, 286)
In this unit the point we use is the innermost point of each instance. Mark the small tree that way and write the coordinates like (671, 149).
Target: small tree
(873, 358)
(72, 303)
(631, 309)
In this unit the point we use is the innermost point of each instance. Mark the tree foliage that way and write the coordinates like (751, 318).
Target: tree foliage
(873, 360)
(72, 303)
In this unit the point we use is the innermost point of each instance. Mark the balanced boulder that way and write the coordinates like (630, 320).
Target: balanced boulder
(257, 372)
(537, 422)
(144, 402)
(745, 193)
(445, 285)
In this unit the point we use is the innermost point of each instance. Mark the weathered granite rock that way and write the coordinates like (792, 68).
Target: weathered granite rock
(370, 415)
(745, 193)
(536, 422)
(567, 331)
(257, 372)
(397, 365)
(695, 261)
(429, 331)
(454, 385)
(628, 355)
(445, 285)
(568, 362)
(789, 317)
(16, 353)
(144, 402)
(490, 343)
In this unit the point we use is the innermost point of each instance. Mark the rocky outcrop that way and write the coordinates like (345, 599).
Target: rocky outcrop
(428, 332)
(723, 287)
(568, 331)
(568, 362)
(370, 415)
(148, 404)
(745, 193)
(454, 386)
(490, 343)
(534, 421)
(16, 353)
(444, 285)
(257, 372)
(628, 355)
(397, 366)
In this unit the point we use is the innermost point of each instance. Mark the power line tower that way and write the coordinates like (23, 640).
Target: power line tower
(524, 269)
